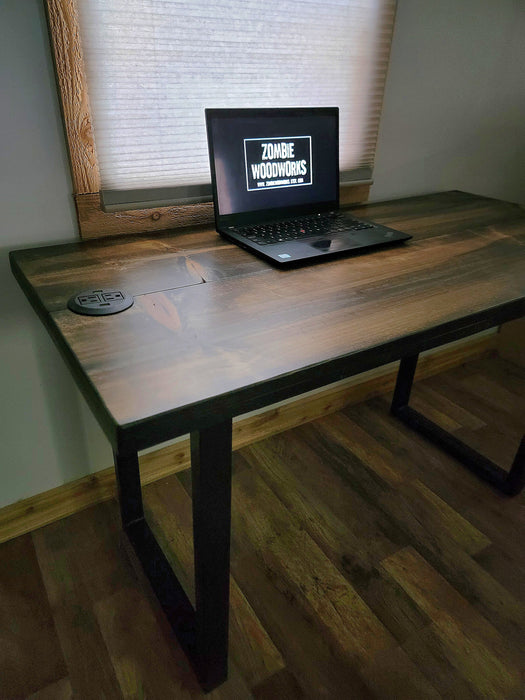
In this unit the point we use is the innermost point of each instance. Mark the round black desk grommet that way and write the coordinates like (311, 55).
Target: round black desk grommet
(100, 302)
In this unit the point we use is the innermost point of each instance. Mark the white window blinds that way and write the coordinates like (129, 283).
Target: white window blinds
(153, 66)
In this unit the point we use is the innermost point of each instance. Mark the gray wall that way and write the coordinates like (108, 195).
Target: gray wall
(451, 119)
(454, 106)
(43, 440)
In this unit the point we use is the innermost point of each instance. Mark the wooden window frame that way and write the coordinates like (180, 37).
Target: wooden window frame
(93, 221)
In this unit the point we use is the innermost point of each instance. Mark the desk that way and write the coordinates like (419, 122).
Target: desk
(215, 332)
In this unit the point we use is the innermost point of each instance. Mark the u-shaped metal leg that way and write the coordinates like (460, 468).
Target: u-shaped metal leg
(510, 483)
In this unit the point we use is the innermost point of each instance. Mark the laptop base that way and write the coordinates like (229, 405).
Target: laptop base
(317, 248)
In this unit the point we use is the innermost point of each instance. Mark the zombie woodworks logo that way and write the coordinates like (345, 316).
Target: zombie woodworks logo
(278, 162)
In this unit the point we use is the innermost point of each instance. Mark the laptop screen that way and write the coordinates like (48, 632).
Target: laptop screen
(273, 161)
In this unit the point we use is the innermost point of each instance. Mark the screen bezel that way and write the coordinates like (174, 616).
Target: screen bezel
(275, 213)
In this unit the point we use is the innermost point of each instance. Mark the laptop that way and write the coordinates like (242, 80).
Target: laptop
(275, 180)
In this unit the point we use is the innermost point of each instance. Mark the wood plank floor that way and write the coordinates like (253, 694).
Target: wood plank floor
(365, 564)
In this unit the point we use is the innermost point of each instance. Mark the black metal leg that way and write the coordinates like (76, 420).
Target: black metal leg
(211, 489)
(405, 378)
(510, 483)
(128, 484)
(203, 631)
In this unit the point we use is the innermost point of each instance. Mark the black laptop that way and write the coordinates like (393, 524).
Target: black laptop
(275, 178)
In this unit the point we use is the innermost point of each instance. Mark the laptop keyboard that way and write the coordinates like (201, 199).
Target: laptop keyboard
(303, 227)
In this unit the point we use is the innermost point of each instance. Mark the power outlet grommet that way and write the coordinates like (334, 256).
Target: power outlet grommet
(100, 302)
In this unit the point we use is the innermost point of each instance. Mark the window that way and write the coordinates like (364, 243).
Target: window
(136, 75)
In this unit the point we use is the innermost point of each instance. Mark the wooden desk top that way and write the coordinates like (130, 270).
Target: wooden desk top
(215, 331)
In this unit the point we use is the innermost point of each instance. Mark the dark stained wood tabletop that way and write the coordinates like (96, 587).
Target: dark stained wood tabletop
(215, 331)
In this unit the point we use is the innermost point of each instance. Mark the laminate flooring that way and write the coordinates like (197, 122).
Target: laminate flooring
(365, 564)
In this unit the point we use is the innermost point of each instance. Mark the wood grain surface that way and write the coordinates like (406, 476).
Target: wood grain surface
(139, 264)
(44, 508)
(220, 332)
(69, 64)
(512, 341)
(349, 579)
(94, 222)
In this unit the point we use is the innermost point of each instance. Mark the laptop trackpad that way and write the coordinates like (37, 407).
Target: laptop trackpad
(332, 245)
